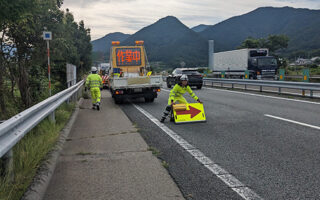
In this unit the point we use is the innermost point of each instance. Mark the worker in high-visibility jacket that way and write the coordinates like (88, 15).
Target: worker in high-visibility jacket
(94, 82)
(176, 94)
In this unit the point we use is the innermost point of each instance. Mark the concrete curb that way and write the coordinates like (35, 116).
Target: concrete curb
(41, 181)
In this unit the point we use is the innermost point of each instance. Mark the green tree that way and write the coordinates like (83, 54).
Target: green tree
(272, 42)
(250, 42)
(23, 59)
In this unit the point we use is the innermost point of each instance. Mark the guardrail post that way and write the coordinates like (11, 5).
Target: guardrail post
(311, 93)
(68, 85)
(7, 160)
(52, 117)
(303, 92)
(232, 85)
(221, 84)
(245, 86)
(279, 90)
(212, 84)
(260, 88)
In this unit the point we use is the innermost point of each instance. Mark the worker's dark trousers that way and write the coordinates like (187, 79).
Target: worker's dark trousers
(166, 112)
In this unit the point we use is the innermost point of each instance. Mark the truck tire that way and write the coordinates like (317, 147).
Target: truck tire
(199, 87)
(118, 100)
(148, 99)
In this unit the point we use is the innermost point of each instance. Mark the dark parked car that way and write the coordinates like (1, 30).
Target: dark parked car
(195, 78)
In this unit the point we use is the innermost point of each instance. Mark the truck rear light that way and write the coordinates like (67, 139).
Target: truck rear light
(119, 91)
(258, 72)
(157, 90)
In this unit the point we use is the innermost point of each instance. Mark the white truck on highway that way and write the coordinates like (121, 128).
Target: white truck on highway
(235, 63)
(129, 73)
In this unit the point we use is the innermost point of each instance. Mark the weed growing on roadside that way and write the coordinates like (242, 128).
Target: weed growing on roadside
(29, 152)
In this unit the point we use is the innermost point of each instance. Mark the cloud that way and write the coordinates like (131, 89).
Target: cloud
(128, 16)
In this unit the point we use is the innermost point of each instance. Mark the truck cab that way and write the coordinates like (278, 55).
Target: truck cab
(261, 64)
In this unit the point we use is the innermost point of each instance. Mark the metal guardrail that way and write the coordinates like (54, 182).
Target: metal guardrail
(264, 83)
(301, 76)
(14, 129)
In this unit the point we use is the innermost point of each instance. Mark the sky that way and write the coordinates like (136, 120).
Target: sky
(129, 16)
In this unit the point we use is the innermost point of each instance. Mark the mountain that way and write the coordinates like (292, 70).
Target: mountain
(103, 44)
(200, 28)
(302, 26)
(171, 42)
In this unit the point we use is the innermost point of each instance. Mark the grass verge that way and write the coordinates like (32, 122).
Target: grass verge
(31, 151)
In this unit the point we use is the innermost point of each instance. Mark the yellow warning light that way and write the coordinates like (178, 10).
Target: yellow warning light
(114, 43)
(140, 42)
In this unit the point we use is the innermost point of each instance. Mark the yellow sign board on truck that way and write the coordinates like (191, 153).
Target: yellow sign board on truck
(194, 112)
(128, 56)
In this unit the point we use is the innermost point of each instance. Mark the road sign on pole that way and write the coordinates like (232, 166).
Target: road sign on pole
(47, 36)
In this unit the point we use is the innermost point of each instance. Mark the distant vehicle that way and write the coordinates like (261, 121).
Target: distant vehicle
(234, 63)
(195, 78)
(103, 68)
(105, 81)
(104, 73)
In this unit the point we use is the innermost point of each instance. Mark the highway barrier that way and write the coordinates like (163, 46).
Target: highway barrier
(15, 128)
(265, 83)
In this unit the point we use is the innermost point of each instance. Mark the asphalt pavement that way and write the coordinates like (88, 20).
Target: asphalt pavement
(105, 157)
(270, 144)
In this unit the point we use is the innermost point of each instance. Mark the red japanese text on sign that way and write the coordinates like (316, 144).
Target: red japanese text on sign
(128, 56)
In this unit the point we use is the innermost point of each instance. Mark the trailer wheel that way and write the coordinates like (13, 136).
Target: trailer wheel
(199, 87)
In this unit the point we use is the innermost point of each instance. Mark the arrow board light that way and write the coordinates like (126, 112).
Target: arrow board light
(193, 113)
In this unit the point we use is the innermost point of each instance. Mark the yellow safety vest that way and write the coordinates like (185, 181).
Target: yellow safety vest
(93, 80)
(179, 91)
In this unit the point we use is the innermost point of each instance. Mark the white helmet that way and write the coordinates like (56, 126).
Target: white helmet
(184, 77)
(93, 69)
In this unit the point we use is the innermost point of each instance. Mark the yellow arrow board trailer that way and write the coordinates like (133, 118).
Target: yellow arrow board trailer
(130, 76)
(192, 112)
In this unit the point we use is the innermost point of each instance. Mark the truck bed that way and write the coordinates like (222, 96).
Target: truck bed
(136, 82)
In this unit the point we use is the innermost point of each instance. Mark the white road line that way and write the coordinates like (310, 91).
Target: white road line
(166, 90)
(259, 95)
(292, 121)
(231, 181)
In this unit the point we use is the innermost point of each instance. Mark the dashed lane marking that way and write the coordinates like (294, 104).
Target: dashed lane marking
(292, 121)
(241, 189)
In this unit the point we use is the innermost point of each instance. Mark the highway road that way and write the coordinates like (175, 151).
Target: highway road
(286, 91)
(251, 147)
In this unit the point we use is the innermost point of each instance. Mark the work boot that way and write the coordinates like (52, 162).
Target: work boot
(162, 119)
(98, 106)
(93, 106)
